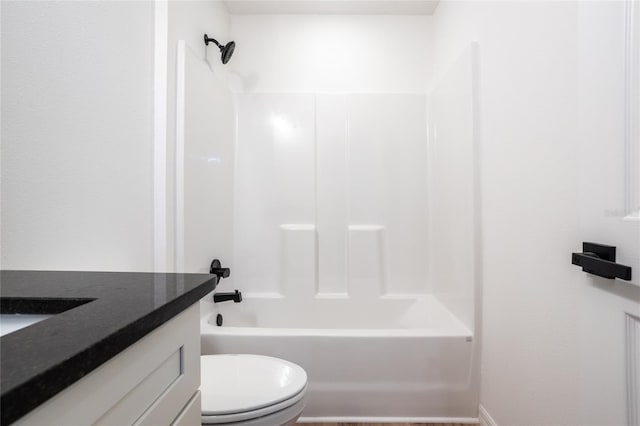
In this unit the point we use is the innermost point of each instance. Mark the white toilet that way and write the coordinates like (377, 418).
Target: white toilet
(251, 390)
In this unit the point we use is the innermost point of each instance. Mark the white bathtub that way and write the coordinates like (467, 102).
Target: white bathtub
(387, 359)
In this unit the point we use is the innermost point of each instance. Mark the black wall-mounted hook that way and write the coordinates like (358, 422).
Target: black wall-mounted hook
(600, 260)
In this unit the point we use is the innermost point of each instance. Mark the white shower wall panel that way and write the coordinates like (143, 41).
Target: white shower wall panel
(453, 169)
(205, 133)
(332, 193)
(388, 181)
(275, 183)
(346, 172)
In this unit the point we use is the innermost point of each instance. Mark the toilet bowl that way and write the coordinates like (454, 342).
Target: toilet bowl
(251, 390)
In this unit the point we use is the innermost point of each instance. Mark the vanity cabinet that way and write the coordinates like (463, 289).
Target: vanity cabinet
(155, 381)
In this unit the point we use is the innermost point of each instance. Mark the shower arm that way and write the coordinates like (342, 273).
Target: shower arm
(207, 39)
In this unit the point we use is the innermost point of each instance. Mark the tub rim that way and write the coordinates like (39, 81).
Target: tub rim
(456, 330)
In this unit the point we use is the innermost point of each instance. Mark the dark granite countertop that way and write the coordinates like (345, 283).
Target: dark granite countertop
(97, 316)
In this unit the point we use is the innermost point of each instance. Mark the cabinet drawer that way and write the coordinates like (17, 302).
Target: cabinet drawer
(140, 401)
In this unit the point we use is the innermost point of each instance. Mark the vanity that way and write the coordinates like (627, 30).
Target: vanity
(103, 347)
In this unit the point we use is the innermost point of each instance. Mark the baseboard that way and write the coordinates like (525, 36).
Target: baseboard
(461, 420)
(485, 418)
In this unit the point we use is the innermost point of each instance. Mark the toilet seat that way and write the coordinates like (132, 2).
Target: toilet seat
(241, 387)
(253, 414)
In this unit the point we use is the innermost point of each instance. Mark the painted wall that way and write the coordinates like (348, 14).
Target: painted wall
(330, 53)
(553, 346)
(77, 135)
(189, 21)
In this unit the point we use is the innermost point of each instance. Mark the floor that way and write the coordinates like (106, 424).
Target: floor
(381, 424)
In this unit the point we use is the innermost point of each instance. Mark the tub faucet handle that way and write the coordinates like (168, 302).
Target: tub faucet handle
(217, 269)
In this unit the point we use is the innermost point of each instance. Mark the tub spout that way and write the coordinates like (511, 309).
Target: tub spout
(223, 297)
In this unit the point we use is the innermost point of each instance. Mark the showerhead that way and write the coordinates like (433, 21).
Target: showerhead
(226, 50)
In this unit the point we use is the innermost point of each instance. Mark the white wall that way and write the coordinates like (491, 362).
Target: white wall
(77, 135)
(330, 53)
(552, 339)
(189, 21)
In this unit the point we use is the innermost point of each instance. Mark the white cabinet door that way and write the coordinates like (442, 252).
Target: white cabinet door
(191, 415)
(609, 206)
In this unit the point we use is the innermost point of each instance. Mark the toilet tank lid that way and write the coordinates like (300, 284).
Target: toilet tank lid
(238, 383)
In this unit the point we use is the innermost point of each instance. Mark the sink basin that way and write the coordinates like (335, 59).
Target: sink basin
(14, 322)
(20, 312)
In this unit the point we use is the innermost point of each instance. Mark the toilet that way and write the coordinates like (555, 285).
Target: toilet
(251, 390)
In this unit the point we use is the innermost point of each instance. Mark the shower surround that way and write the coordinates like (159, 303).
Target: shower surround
(331, 195)
(355, 244)
(332, 248)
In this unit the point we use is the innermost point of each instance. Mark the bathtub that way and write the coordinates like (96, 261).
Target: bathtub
(387, 359)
